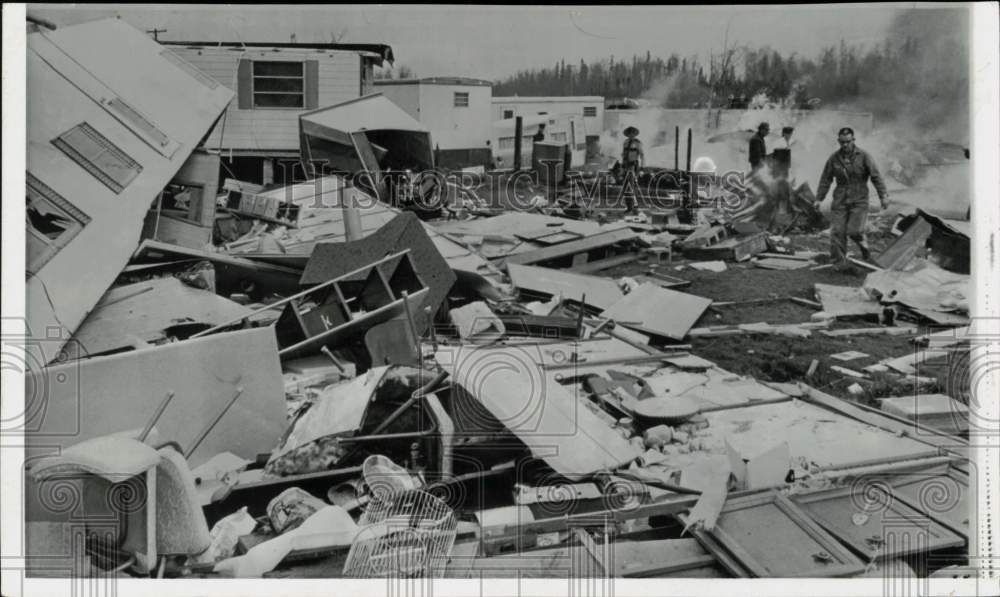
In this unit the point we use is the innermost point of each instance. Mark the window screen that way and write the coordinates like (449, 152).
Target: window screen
(99, 156)
(51, 223)
(279, 84)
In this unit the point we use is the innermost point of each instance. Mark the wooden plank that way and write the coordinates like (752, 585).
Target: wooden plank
(583, 245)
(876, 525)
(883, 331)
(906, 247)
(602, 264)
(601, 292)
(780, 264)
(772, 537)
(662, 311)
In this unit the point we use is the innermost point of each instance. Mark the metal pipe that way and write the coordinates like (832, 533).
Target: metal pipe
(156, 416)
(208, 428)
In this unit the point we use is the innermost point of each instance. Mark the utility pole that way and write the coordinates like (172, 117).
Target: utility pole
(155, 33)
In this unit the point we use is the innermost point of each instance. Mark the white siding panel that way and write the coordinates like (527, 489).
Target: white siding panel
(272, 129)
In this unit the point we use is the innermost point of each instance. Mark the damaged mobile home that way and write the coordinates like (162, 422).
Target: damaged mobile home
(375, 373)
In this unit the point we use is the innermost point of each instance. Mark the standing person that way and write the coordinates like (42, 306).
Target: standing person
(758, 147)
(851, 167)
(539, 134)
(632, 159)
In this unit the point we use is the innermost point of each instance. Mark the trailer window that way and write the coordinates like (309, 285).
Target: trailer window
(52, 222)
(279, 84)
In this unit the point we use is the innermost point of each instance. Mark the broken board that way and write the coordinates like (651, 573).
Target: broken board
(907, 246)
(846, 301)
(69, 403)
(600, 292)
(144, 312)
(731, 249)
(781, 263)
(660, 311)
(555, 425)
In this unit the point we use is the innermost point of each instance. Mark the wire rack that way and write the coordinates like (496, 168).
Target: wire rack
(403, 534)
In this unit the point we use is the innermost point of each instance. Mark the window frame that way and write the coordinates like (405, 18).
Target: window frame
(456, 96)
(590, 111)
(253, 85)
(37, 190)
(508, 114)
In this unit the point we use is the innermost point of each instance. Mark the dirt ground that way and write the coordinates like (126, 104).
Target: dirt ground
(777, 358)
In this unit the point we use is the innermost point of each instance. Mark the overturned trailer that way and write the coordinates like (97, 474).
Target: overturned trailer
(113, 117)
(379, 146)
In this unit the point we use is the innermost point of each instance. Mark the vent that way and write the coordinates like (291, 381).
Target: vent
(99, 156)
(138, 122)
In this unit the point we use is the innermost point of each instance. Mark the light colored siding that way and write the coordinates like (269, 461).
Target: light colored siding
(406, 96)
(456, 128)
(527, 106)
(264, 129)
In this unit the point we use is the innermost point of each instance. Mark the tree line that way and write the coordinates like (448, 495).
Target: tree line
(921, 67)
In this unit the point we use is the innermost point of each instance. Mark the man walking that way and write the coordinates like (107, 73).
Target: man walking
(851, 167)
(758, 147)
(632, 158)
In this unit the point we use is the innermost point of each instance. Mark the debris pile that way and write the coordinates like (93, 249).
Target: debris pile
(323, 384)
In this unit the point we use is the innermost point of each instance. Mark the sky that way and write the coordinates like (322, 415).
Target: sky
(492, 42)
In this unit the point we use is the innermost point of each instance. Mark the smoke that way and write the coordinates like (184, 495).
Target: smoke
(912, 93)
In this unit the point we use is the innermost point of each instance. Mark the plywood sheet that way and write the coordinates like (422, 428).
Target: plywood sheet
(661, 311)
(600, 292)
(79, 400)
(142, 311)
(549, 418)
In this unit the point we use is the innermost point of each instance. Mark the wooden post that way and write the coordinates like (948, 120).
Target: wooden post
(518, 130)
(352, 216)
(677, 147)
(689, 151)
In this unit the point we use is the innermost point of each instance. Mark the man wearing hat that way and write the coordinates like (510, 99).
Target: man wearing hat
(632, 158)
(851, 167)
(758, 148)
